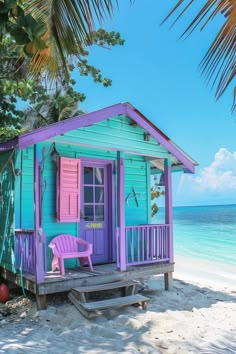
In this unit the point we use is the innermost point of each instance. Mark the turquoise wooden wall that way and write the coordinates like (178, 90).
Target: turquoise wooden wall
(7, 180)
(101, 141)
(116, 133)
(24, 196)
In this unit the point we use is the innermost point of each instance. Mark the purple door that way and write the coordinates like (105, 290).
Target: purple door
(96, 216)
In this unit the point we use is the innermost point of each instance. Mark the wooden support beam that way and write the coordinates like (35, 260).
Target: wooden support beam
(148, 186)
(168, 279)
(121, 210)
(168, 205)
(39, 261)
(41, 301)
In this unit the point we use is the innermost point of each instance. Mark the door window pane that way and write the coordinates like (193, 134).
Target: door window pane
(88, 194)
(88, 213)
(99, 195)
(88, 175)
(99, 212)
(99, 175)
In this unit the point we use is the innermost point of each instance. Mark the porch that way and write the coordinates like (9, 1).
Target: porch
(138, 245)
(76, 277)
(147, 251)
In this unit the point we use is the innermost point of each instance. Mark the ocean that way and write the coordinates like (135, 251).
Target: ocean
(204, 232)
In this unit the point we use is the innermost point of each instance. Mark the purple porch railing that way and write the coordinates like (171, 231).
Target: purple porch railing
(145, 244)
(25, 250)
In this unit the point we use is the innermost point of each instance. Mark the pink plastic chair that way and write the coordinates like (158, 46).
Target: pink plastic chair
(68, 246)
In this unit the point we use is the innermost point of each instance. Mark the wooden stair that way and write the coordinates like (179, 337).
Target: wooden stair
(90, 309)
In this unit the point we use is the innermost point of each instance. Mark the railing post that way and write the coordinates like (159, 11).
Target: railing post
(39, 264)
(121, 210)
(168, 206)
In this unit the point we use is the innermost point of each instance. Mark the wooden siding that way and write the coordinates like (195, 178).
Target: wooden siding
(24, 190)
(7, 180)
(135, 182)
(116, 133)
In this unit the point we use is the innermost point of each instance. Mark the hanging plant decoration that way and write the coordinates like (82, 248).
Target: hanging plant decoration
(156, 192)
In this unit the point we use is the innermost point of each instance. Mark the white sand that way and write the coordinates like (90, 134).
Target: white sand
(195, 317)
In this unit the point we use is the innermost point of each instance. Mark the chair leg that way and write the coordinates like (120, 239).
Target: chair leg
(90, 264)
(62, 267)
(55, 263)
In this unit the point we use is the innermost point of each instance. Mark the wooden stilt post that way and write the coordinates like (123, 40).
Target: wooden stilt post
(168, 279)
(169, 218)
(121, 211)
(41, 301)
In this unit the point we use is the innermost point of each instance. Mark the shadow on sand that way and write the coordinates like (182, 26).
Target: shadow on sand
(63, 329)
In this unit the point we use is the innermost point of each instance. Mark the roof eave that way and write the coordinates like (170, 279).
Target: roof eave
(160, 137)
(10, 144)
(64, 126)
(126, 109)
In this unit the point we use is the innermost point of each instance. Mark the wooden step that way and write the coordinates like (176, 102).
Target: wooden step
(115, 302)
(106, 286)
(90, 309)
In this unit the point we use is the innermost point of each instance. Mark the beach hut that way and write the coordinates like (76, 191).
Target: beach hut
(89, 177)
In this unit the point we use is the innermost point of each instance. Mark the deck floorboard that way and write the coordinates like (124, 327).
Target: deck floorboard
(77, 277)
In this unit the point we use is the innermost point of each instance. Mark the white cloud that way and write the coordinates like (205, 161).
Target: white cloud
(219, 177)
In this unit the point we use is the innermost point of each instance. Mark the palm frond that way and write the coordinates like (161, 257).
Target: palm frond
(70, 24)
(218, 64)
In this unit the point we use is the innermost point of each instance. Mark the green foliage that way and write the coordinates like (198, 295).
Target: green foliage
(9, 133)
(52, 32)
(22, 27)
(14, 85)
(156, 192)
(21, 36)
(53, 108)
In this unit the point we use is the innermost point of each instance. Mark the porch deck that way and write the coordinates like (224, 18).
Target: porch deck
(76, 277)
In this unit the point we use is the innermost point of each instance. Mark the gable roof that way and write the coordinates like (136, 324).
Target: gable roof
(125, 109)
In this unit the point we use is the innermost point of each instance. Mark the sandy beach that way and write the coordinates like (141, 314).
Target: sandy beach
(197, 316)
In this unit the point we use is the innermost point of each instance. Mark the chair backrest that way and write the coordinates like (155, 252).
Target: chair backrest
(67, 243)
(64, 243)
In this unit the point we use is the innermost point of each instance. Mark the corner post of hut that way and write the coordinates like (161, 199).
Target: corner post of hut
(38, 231)
(169, 219)
(121, 211)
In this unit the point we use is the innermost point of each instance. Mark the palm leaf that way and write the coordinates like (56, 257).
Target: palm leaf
(218, 64)
(70, 24)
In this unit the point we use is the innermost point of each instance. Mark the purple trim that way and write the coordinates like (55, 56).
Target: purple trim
(24, 250)
(168, 205)
(96, 161)
(69, 124)
(146, 244)
(109, 207)
(10, 144)
(125, 109)
(39, 259)
(159, 136)
(121, 211)
(112, 208)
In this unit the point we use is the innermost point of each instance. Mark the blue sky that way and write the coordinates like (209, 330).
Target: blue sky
(159, 75)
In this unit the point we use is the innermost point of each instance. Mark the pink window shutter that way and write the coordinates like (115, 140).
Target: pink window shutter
(68, 190)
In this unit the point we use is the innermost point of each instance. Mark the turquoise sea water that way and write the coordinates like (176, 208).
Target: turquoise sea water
(205, 232)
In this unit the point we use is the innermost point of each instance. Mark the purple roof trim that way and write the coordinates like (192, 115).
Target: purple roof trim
(159, 136)
(10, 144)
(126, 109)
(64, 126)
